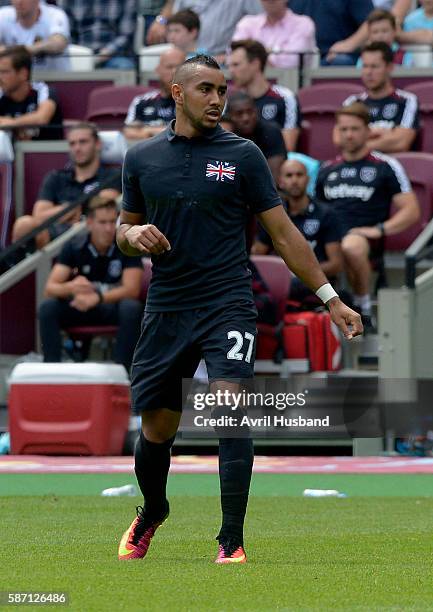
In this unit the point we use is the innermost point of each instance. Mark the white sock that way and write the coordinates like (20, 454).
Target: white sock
(363, 302)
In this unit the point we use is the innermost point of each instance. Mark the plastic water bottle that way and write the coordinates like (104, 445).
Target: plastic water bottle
(127, 491)
(323, 493)
(5, 443)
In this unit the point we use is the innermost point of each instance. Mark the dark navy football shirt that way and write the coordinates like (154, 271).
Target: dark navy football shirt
(318, 224)
(103, 271)
(399, 109)
(198, 193)
(361, 191)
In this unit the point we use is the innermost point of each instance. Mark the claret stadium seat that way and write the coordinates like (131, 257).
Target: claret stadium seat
(277, 277)
(318, 105)
(108, 106)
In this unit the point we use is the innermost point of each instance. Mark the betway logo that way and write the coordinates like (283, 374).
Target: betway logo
(385, 125)
(343, 190)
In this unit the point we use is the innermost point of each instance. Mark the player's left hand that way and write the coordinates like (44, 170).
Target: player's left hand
(372, 232)
(346, 319)
(85, 301)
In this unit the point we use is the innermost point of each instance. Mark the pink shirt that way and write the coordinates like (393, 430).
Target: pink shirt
(292, 33)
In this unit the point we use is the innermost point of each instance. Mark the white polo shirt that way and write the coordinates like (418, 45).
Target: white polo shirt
(52, 20)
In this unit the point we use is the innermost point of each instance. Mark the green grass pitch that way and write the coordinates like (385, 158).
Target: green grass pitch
(372, 551)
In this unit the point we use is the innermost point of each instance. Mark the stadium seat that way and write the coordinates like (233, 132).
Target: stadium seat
(73, 94)
(81, 58)
(424, 92)
(108, 106)
(421, 55)
(85, 333)
(419, 168)
(114, 147)
(149, 56)
(318, 105)
(277, 277)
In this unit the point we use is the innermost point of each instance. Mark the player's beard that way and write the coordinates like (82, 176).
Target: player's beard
(196, 121)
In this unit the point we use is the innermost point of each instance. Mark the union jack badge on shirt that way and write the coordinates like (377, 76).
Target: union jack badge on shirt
(220, 171)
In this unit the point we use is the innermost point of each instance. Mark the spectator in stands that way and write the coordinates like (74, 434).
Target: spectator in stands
(247, 63)
(382, 27)
(217, 20)
(93, 283)
(149, 113)
(399, 8)
(30, 109)
(317, 222)
(339, 27)
(361, 186)
(60, 188)
(43, 29)
(245, 121)
(182, 31)
(107, 27)
(418, 25)
(394, 116)
(151, 10)
(281, 31)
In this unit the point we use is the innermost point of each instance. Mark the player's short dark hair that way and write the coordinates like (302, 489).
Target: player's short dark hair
(381, 15)
(380, 47)
(20, 57)
(85, 125)
(197, 60)
(356, 109)
(253, 49)
(188, 18)
(98, 202)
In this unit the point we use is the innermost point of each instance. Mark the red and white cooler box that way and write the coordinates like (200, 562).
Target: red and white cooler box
(68, 408)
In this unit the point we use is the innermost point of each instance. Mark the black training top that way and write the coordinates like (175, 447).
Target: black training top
(318, 224)
(39, 92)
(268, 137)
(151, 108)
(104, 271)
(61, 186)
(399, 109)
(197, 193)
(361, 191)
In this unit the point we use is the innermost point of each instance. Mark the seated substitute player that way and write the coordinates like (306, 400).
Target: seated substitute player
(186, 195)
(393, 112)
(247, 63)
(361, 186)
(84, 175)
(317, 222)
(30, 108)
(245, 122)
(149, 113)
(93, 283)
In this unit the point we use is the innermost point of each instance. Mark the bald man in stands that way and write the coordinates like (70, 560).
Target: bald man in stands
(150, 112)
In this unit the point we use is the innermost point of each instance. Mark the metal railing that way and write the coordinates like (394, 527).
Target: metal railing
(420, 249)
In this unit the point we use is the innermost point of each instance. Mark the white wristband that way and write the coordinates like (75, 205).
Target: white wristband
(326, 292)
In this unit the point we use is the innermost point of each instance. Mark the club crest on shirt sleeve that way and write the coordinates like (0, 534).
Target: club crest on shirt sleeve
(220, 171)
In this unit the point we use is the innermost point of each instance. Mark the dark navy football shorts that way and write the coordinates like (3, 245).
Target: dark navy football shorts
(171, 345)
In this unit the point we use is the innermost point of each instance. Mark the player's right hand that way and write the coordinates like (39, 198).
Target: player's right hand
(81, 284)
(147, 239)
